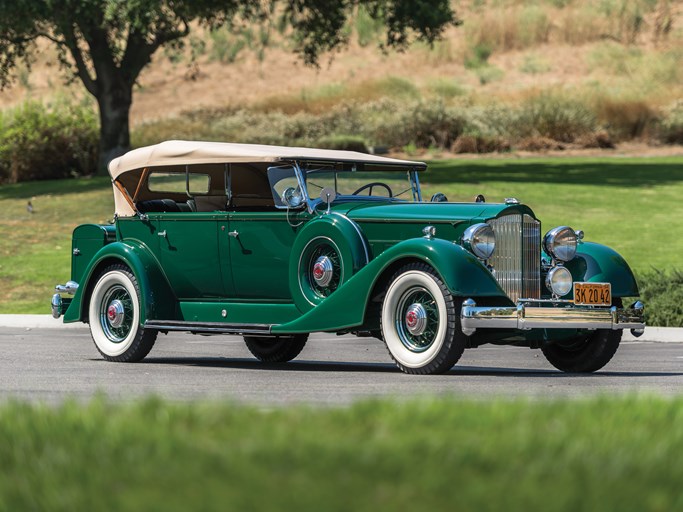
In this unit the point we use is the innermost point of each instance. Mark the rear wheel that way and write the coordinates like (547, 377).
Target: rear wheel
(114, 316)
(276, 349)
(420, 322)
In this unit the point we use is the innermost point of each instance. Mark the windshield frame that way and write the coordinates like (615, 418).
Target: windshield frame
(303, 169)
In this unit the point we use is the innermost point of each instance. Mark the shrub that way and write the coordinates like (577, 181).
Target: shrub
(625, 118)
(555, 116)
(446, 88)
(39, 142)
(538, 143)
(671, 127)
(424, 124)
(662, 293)
(343, 142)
(467, 143)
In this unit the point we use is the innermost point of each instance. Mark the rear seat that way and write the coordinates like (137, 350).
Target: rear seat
(162, 205)
(211, 203)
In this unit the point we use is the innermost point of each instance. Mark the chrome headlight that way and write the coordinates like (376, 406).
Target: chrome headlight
(559, 281)
(480, 240)
(560, 243)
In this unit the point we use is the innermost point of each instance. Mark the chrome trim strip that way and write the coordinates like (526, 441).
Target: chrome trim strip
(301, 178)
(525, 317)
(216, 327)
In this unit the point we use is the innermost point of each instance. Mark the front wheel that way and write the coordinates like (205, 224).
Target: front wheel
(420, 322)
(276, 349)
(114, 316)
(584, 354)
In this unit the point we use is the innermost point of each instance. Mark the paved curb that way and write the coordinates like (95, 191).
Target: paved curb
(658, 334)
(37, 322)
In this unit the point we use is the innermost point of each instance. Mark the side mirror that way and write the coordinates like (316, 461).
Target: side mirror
(439, 198)
(292, 197)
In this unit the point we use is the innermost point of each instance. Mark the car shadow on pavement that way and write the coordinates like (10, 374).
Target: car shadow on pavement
(377, 367)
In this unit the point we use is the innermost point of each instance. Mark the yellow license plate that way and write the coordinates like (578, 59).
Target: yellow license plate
(593, 294)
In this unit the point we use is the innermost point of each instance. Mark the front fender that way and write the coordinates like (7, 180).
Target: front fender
(462, 272)
(598, 263)
(157, 300)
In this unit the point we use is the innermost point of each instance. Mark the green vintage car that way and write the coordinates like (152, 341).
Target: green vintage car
(273, 243)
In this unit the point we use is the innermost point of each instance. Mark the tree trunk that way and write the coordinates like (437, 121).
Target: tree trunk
(114, 104)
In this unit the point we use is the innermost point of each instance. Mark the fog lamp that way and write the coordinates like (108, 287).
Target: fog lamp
(559, 281)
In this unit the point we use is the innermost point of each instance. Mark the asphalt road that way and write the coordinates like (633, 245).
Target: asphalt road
(51, 365)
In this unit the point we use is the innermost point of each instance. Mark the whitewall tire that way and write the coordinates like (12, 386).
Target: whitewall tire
(420, 324)
(114, 316)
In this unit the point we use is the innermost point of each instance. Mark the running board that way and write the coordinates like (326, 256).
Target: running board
(208, 327)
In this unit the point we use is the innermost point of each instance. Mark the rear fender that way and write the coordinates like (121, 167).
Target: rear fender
(156, 296)
(462, 272)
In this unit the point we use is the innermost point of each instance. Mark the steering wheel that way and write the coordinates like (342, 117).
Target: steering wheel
(374, 184)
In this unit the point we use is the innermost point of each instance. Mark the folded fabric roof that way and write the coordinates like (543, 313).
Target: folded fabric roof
(183, 152)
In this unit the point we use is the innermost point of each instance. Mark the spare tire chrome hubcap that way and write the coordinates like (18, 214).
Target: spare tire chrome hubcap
(323, 271)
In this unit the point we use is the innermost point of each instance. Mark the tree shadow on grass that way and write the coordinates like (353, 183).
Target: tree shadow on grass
(608, 172)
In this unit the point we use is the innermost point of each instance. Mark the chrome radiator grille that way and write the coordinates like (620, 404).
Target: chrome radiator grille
(517, 258)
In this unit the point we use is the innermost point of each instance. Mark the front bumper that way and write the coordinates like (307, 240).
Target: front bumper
(550, 315)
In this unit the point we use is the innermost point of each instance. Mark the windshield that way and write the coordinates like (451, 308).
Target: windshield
(348, 184)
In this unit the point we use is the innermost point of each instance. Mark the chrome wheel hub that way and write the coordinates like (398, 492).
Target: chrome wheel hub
(416, 319)
(323, 271)
(115, 313)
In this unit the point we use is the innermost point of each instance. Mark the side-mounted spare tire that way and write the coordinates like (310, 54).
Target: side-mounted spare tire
(327, 252)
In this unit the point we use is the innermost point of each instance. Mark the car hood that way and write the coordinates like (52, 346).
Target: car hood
(430, 212)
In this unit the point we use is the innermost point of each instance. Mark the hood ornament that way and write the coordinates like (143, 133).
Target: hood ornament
(511, 200)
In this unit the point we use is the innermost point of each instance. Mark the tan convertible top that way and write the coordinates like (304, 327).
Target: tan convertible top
(183, 152)
(179, 153)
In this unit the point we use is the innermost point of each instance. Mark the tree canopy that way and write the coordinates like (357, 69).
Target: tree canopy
(107, 43)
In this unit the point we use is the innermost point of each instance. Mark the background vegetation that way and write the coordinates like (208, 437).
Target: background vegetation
(618, 454)
(552, 74)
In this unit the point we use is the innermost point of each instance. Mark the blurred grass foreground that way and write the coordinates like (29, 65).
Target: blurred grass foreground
(600, 454)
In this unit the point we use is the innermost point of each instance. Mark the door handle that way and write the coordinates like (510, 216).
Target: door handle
(162, 233)
(233, 234)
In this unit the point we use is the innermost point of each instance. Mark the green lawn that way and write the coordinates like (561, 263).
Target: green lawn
(605, 454)
(633, 205)
(35, 249)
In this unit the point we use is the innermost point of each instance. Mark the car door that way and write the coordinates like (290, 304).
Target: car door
(189, 254)
(187, 238)
(260, 248)
(261, 232)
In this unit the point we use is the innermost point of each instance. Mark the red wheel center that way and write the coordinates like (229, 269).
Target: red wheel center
(411, 318)
(318, 271)
(111, 313)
